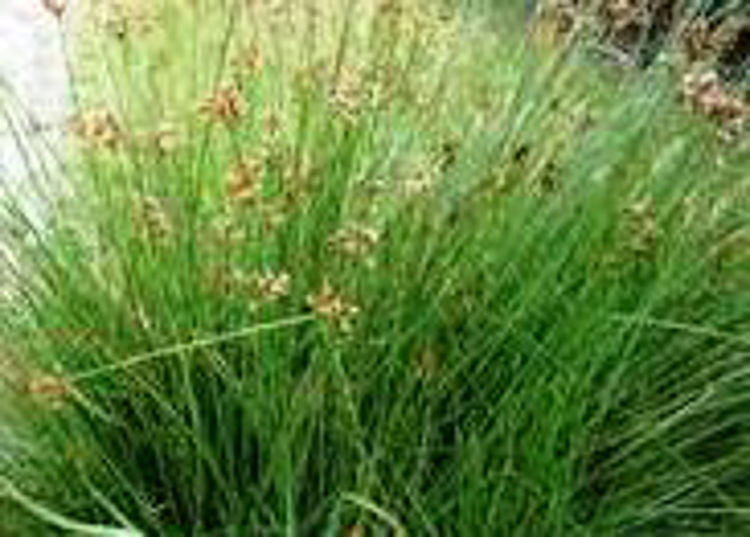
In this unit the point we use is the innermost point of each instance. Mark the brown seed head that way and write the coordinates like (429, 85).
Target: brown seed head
(355, 240)
(249, 61)
(98, 128)
(225, 105)
(151, 218)
(269, 286)
(333, 307)
(51, 389)
(244, 182)
(56, 7)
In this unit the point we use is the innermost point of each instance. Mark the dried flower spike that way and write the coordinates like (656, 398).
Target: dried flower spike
(705, 94)
(355, 240)
(348, 94)
(249, 61)
(244, 182)
(49, 388)
(56, 7)
(421, 180)
(152, 219)
(225, 105)
(269, 286)
(642, 226)
(121, 18)
(333, 307)
(98, 128)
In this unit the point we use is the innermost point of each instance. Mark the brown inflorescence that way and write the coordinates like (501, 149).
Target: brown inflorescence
(248, 62)
(98, 128)
(704, 92)
(642, 227)
(245, 180)
(122, 19)
(226, 105)
(333, 307)
(355, 240)
(49, 389)
(270, 286)
(347, 96)
(56, 7)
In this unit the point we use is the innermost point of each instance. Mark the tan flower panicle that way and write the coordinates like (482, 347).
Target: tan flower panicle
(226, 105)
(642, 226)
(244, 181)
(704, 92)
(625, 13)
(348, 95)
(225, 232)
(56, 7)
(98, 128)
(333, 307)
(390, 8)
(421, 179)
(355, 240)
(695, 40)
(273, 214)
(151, 218)
(701, 40)
(248, 62)
(122, 19)
(50, 389)
(270, 286)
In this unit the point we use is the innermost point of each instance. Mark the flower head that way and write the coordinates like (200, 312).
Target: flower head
(355, 240)
(270, 286)
(705, 93)
(244, 181)
(151, 218)
(333, 307)
(50, 389)
(56, 7)
(98, 128)
(225, 105)
(249, 61)
(348, 94)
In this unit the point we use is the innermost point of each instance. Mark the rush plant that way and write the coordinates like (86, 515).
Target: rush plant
(375, 268)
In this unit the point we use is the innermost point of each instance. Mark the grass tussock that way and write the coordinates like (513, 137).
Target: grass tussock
(353, 268)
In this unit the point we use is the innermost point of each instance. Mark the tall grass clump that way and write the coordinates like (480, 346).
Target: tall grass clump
(376, 268)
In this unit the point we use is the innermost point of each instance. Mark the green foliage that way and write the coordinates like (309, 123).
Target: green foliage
(401, 273)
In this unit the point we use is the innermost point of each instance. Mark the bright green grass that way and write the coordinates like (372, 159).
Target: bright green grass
(551, 327)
